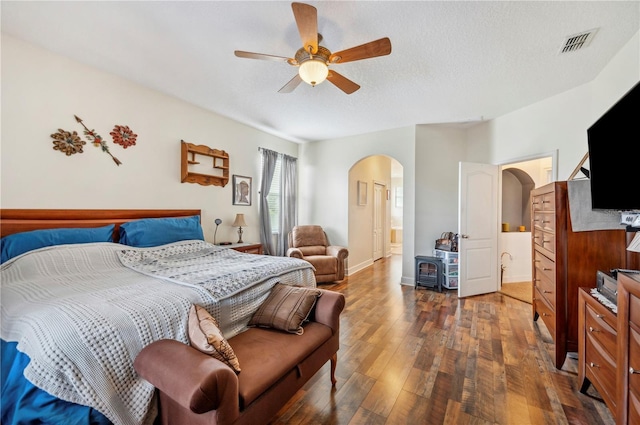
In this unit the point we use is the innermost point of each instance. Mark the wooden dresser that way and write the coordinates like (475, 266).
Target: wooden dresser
(548, 225)
(597, 348)
(563, 261)
(628, 382)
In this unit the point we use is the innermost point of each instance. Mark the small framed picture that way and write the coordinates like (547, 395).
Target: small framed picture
(241, 190)
(362, 193)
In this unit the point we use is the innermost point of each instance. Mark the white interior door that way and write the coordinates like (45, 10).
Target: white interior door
(478, 229)
(378, 221)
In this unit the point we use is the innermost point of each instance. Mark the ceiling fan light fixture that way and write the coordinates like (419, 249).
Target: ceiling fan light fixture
(313, 60)
(313, 71)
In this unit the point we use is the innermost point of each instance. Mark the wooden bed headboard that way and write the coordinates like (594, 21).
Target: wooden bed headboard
(23, 220)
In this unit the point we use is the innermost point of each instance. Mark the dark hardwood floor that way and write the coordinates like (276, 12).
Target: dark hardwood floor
(412, 356)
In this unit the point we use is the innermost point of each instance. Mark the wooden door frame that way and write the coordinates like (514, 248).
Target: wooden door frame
(383, 211)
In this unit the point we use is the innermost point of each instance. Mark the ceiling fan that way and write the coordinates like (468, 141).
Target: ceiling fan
(313, 60)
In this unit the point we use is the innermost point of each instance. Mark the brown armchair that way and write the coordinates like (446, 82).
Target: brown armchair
(310, 243)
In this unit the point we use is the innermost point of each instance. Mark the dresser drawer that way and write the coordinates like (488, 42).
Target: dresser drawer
(544, 202)
(536, 203)
(596, 325)
(547, 288)
(545, 311)
(545, 267)
(602, 313)
(601, 371)
(546, 240)
(545, 221)
(537, 234)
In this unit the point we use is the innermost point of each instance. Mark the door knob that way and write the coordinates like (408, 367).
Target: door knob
(463, 236)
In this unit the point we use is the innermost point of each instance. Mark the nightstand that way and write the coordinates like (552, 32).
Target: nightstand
(247, 248)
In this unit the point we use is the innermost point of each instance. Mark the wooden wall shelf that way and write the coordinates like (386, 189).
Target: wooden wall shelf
(220, 162)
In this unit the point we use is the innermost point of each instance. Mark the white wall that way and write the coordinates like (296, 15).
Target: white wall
(439, 149)
(557, 123)
(324, 176)
(518, 265)
(538, 169)
(621, 73)
(41, 92)
(512, 202)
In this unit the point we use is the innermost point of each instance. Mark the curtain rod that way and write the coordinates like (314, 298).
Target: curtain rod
(279, 153)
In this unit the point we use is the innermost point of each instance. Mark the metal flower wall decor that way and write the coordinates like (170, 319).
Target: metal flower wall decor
(123, 136)
(70, 142)
(67, 142)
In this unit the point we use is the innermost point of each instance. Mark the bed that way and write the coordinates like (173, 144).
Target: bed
(75, 312)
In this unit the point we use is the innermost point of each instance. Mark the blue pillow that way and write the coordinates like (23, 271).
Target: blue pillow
(19, 243)
(150, 232)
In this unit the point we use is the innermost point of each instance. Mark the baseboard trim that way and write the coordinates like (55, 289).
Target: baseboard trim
(358, 267)
(517, 279)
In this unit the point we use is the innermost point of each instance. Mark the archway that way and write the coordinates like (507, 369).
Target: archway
(375, 210)
(516, 195)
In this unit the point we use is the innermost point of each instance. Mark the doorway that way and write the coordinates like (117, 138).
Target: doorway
(375, 218)
(514, 241)
(489, 270)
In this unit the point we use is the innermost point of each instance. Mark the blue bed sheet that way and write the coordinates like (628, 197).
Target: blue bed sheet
(23, 403)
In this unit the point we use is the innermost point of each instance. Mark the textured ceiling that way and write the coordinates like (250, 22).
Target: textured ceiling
(451, 62)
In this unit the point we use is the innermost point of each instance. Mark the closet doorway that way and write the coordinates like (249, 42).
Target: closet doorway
(518, 180)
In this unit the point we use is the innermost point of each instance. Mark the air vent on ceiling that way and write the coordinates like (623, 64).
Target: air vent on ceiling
(578, 41)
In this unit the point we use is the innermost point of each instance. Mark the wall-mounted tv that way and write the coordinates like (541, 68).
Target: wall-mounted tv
(614, 155)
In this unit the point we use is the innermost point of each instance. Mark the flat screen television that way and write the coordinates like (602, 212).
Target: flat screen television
(614, 155)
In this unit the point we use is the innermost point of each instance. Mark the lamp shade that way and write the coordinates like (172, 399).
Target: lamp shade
(313, 71)
(239, 221)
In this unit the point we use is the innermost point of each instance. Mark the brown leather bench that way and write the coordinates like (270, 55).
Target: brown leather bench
(195, 388)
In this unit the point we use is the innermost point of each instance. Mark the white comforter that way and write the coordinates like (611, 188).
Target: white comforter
(82, 316)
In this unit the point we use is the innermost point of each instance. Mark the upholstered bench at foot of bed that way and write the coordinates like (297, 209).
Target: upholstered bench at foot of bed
(195, 388)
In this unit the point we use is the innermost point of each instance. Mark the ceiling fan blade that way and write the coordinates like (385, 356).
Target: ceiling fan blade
(307, 21)
(372, 49)
(251, 55)
(341, 82)
(291, 85)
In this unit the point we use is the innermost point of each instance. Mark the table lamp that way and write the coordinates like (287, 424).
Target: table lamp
(239, 222)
